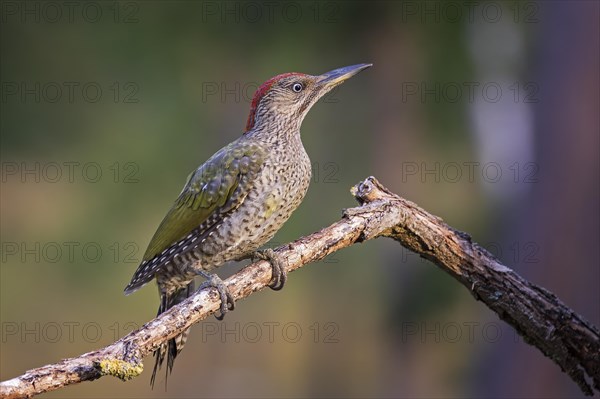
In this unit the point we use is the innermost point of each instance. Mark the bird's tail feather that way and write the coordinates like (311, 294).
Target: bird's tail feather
(171, 348)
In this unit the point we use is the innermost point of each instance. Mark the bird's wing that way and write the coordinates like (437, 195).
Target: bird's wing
(210, 192)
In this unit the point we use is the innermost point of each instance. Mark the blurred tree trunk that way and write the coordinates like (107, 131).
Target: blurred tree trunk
(560, 217)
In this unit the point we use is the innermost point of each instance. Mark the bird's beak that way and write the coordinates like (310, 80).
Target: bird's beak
(337, 76)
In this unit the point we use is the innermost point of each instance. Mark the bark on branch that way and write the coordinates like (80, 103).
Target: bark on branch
(537, 314)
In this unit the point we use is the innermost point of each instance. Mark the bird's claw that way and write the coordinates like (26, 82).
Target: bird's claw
(279, 273)
(227, 300)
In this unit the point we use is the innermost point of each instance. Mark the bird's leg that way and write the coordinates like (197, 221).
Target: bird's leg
(279, 273)
(227, 300)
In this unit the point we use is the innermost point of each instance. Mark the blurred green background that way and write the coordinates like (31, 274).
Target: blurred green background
(485, 114)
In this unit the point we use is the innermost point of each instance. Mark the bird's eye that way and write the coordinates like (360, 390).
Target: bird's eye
(297, 87)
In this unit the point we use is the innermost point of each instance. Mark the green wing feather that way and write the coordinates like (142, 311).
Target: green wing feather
(219, 186)
(213, 189)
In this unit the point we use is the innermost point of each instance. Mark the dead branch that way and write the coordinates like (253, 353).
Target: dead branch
(537, 314)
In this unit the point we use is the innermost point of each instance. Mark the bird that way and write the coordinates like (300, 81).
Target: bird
(237, 200)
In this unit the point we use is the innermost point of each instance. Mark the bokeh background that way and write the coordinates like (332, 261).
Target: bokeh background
(484, 113)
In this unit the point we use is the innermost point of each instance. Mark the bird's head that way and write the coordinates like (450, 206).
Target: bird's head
(284, 100)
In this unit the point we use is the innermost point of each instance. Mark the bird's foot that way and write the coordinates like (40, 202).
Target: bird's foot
(279, 273)
(227, 300)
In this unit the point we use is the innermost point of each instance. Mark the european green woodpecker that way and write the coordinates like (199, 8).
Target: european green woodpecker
(237, 200)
